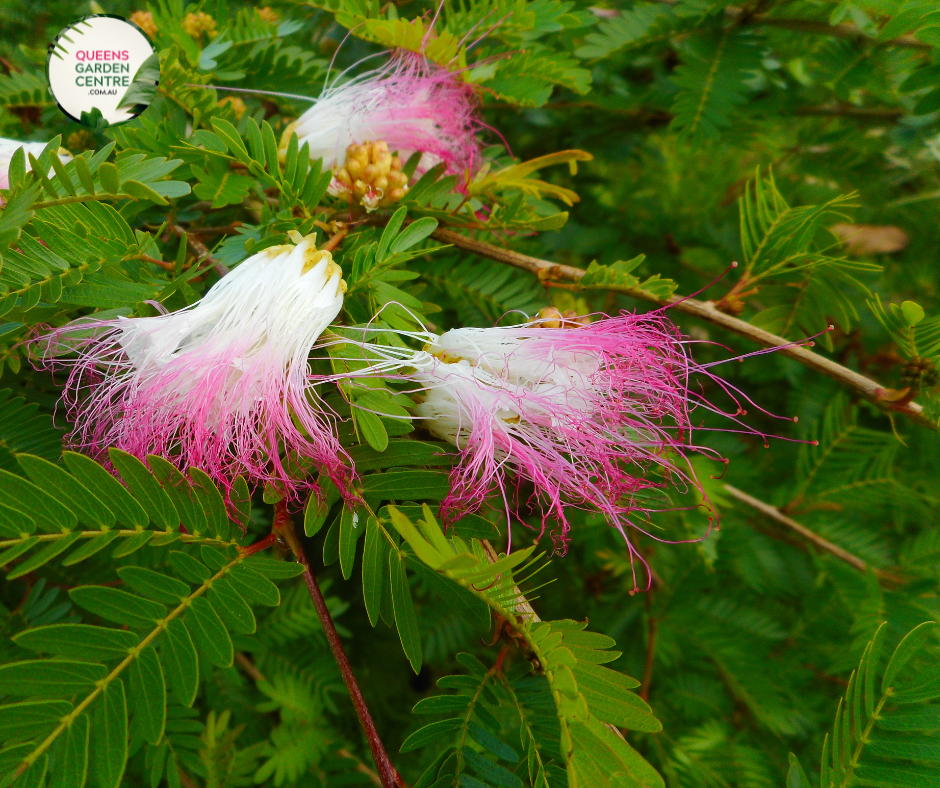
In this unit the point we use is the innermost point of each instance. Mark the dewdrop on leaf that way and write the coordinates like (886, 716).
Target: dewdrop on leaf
(222, 384)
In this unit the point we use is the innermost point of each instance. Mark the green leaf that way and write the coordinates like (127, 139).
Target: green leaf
(109, 177)
(493, 773)
(414, 233)
(209, 633)
(49, 678)
(402, 452)
(273, 568)
(118, 606)
(351, 527)
(231, 607)
(148, 695)
(51, 516)
(145, 489)
(133, 544)
(50, 551)
(212, 503)
(405, 619)
(253, 586)
(141, 191)
(408, 485)
(102, 484)
(32, 718)
(374, 569)
(913, 641)
(318, 506)
(110, 725)
(180, 493)
(67, 490)
(181, 660)
(78, 641)
(608, 695)
(389, 233)
(154, 585)
(71, 755)
(371, 428)
(913, 313)
(189, 568)
(91, 547)
(443, 730)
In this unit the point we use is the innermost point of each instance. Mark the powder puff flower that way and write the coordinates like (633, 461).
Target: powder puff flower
(593, 416)
(9, 147)
(412, 105)
(222, 384)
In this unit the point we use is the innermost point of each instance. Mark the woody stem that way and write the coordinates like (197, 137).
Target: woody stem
(284, 527)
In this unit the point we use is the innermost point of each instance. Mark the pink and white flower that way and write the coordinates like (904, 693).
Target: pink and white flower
(409, 103)
(596, 416)
(222, 384)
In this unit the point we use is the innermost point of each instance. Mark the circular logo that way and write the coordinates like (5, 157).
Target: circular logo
(102, 70)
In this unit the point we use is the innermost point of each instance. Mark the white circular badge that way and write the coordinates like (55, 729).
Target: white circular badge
(102, 70)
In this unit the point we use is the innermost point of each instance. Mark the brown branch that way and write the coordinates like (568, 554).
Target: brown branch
(284, 527)
(249, 667)
(549, 272)
(201, 250)
(821, 28)
(842, 30)
(850, 110)
(823, 544)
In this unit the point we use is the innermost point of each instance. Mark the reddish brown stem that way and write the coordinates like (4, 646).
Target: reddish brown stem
(284, 527)
(263, 544)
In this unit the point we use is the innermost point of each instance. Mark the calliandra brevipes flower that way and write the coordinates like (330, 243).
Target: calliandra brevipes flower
(409, 103)
(222, 384)
(572, 414)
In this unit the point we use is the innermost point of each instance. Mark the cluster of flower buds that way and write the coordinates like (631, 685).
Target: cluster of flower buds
(552, 317)
(371, 176)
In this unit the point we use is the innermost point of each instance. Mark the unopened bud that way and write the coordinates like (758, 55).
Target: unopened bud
(549, 317)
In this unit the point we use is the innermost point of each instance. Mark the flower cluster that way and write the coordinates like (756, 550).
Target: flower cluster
(560, 413)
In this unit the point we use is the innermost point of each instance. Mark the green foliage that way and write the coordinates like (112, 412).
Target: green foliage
(141, 644)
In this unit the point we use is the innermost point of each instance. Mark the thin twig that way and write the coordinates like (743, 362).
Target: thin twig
(201, 250)
(823, 544)
(249, 667)
(186, 781)
(284, 527)
(549, 272)
(650, 647)
(360, 767)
